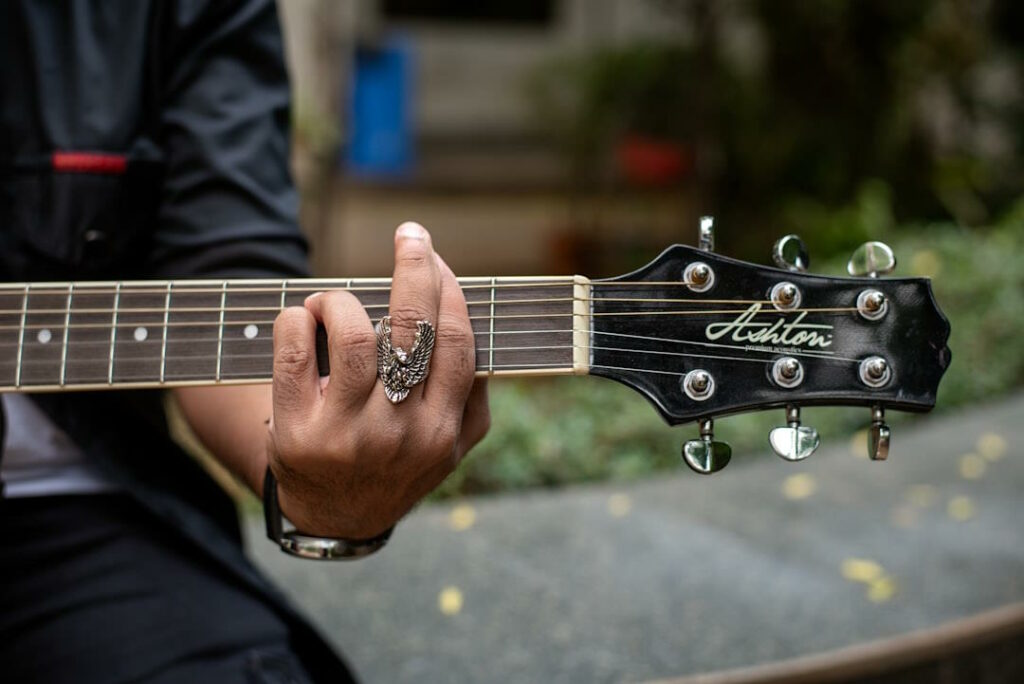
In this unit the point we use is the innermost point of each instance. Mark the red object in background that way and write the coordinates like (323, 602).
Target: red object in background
(653, 162)
(89, 162)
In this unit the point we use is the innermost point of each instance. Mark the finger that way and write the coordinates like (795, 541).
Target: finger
(416, 285)
(296, 388)
(476, 420)
(352, 347)
(454, 362)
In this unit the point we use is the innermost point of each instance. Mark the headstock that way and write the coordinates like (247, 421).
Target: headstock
(702, 335)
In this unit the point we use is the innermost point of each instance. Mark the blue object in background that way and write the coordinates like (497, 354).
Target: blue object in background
(380, 103)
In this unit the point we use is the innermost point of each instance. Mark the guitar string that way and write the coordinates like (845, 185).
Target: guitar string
(239, 309)
(171, 382)
(239, 286)
(603, 314)
(129, 343)
(267, 358)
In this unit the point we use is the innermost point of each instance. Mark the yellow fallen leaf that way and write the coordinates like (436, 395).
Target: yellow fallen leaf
(462, 517)
(861, 570)
(799, 486)
(859, 444)
(449, 601)
(881, 589)
(991, 446)
(972, 466)
(960, 508)
(619, 505)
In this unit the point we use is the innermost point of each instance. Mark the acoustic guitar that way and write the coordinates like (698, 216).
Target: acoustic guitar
(697, 333)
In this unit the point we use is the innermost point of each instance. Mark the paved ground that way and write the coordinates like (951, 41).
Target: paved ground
(687, 574)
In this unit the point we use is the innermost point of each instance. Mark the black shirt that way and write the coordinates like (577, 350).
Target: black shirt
(149, 139)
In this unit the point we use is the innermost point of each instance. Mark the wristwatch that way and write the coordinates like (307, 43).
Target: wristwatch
(301, 545)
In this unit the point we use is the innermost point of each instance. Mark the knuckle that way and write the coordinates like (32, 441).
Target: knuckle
(354, 338)
(292, 359)
(406, 315)
(446, 436)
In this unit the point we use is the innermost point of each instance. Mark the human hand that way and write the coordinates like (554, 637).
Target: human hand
(348, 462)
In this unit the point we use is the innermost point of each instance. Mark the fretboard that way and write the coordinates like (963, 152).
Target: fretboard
(99, 335)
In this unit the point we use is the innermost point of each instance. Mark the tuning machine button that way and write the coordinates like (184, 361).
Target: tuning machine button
(705, 455)
(871, 259)
(706, 238)
(794, 442)
(790, 253)
(878, 435)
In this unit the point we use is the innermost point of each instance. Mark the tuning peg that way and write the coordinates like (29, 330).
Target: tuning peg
(705, 455)
(872, 259)
(790, 253)
(706, 239)
(878, 435)
(794, 442)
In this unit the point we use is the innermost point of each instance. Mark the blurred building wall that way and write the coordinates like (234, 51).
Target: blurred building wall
(487, 186)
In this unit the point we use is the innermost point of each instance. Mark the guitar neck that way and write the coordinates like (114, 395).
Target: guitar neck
(138, 334)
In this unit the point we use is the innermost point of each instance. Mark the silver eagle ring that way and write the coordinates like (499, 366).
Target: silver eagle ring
(398, 370)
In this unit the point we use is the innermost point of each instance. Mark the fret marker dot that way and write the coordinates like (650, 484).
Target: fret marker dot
(250, 331)
(140, 334)
(44, 336)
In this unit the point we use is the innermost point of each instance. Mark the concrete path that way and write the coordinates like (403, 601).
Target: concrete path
(686, 574)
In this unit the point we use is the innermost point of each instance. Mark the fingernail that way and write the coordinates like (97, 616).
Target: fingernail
(311, 297)
(412, 230)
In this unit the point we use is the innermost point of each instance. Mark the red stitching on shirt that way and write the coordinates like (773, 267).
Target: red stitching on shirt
(89, 162)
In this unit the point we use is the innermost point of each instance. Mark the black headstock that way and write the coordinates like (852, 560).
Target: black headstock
(744, 324)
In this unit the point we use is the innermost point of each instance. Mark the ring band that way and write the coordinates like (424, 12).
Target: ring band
(398, 370)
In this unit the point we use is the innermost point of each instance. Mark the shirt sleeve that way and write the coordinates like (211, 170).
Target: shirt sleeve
(228, 205)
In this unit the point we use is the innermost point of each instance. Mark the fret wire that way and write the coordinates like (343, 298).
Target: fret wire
(491, 353)
(21, 335)
(67, 331)
(284, 293)
(220, 328)
(167, 320)
(113, 335)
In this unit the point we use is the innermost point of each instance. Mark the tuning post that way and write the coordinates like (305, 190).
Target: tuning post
(790, 253)
(872, 305)
(785, 296)
(875, 372)
(699, 277)
(698, 384)
(878, 435)
(787, 372)
(705, 455)
(793, 442)
(871, 259)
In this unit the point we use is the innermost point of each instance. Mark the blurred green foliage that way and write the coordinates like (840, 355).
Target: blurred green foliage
(797, 111)
(552, 432)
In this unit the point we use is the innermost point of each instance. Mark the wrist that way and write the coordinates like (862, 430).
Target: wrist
(305, 545)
